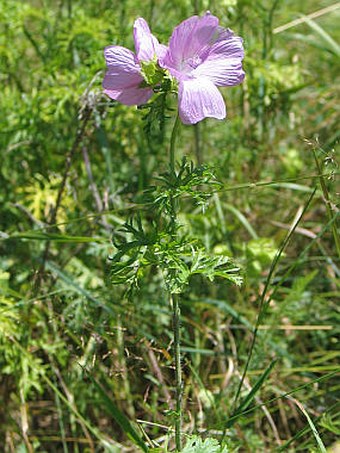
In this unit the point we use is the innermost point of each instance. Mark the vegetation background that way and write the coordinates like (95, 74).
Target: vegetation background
(83, 366)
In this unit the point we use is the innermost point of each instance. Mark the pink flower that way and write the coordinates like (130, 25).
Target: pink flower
(202, 56)
(123, 80)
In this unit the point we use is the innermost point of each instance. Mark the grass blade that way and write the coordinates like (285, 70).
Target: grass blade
(321, 445)
(242, 219)
(120, 418)
(331, 44)
(263, 303)
(55, 237)
(287, 394)
(251, 395)
(68, 280)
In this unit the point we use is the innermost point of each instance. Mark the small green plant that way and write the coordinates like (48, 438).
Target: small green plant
(195, 444)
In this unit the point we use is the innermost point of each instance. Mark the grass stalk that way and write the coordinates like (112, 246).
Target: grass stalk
(263, 303)
(328, 203)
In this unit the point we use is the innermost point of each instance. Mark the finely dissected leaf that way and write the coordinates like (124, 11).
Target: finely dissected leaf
(65, 314)
(178, 259)
(184, 260)
(161, 243)
(198, 183)
(215, 266)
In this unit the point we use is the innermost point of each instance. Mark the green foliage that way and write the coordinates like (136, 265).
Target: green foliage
(178, 260)
(260, 253)
(121, 419)
(197, 445)
(185, 183)
(164, 245)
(156, 112)
(248, 399)
(177, 231)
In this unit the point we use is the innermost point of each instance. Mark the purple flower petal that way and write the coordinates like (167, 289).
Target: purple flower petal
(147, 46)
(123, 71)
(222, 72)
(188, 39)
(120, 56)
(130, 96)
(223, 63)
(145, 42)
(199, 99)
(161, 51)
(118, 79)
(227, 46)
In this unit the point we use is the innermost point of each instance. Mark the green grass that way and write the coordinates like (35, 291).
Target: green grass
(88, 366)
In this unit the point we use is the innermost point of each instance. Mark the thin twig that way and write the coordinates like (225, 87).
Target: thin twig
(158, 372)
(68, 162)
(94, 188)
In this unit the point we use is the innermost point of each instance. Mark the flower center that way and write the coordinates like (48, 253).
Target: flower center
(190, 64)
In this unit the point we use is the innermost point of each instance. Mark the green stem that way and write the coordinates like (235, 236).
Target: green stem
(178, 369)
(174, 301)
(173, 143)
(198, 150)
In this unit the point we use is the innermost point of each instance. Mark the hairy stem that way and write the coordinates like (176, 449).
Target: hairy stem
(178, 369)
(174, 301)
(198, 150)
(173, 143)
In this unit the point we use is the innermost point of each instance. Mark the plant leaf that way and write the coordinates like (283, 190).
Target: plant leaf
(251, 395)
(120, 418)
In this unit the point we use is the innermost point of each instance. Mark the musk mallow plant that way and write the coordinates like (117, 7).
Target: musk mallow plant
(200, 57)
